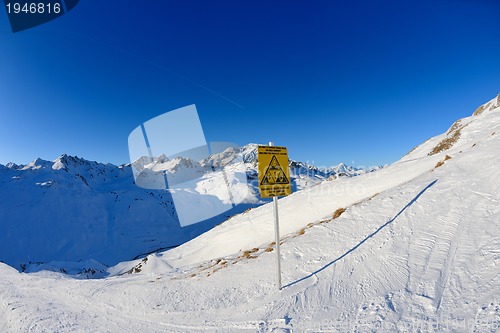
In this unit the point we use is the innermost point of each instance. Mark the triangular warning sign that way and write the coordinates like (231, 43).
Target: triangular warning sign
(274, 174)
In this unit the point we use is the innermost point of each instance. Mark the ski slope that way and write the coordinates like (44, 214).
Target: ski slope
(416, 250)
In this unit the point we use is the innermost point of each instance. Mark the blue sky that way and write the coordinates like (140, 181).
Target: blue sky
(360, 82)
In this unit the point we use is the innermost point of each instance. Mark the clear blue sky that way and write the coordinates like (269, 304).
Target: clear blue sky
(360, 82)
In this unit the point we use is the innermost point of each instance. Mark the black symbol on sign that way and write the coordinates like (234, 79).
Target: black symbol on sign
(274, 174)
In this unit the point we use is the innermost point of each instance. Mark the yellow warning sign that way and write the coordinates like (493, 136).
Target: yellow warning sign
(274, 176)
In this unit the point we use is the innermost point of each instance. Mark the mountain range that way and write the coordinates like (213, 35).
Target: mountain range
(72, 209)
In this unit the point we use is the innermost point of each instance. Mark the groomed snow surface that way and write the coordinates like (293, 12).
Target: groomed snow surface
(416, 250)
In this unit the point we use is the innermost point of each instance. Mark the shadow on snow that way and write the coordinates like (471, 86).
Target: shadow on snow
(365, 239)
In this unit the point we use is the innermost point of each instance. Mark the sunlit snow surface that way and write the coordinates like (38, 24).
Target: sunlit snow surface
(416, 250)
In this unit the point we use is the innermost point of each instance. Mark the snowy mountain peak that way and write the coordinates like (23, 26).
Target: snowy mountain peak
(178, 162)
(221, 159)
(12, 165)
(69, 160)
(78, 165)
(37, 164)
(463, 134)
(489, 106)
(162, 159)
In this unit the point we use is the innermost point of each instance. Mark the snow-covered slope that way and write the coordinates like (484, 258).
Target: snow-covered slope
(413, 247)
(72, 209)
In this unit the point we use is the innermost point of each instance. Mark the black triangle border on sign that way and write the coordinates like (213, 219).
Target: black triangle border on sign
(265, 178)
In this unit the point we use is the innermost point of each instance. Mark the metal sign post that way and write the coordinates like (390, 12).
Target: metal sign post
(277, 235)
(274, 180)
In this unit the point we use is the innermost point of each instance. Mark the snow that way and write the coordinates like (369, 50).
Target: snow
(416, 250)
(74, 210)
(315, 203)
